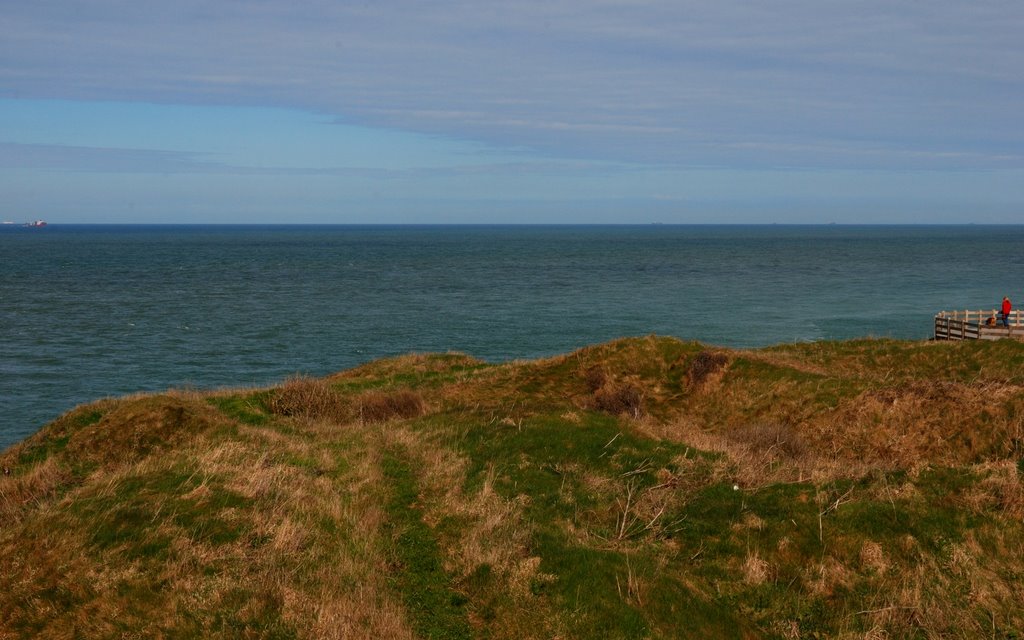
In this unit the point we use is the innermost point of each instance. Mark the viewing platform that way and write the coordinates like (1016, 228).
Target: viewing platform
(975, 325)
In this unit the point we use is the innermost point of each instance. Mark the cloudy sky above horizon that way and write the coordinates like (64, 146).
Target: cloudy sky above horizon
(554, 111)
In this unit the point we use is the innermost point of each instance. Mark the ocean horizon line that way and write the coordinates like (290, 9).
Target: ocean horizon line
(543, 224)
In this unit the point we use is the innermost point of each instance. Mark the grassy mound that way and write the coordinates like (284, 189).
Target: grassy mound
(645, 488)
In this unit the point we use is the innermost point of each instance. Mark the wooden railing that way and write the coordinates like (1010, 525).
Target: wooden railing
(974, 325)
(979, 317)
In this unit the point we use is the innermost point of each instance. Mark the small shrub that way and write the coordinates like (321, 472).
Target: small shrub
(703, 365)
(595, 377)
(307, 398)
(380, 406)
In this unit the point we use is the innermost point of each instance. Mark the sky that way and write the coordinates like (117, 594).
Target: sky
(553, 111)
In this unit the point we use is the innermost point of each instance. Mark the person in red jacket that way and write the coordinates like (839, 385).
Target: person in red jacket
(1006, 311)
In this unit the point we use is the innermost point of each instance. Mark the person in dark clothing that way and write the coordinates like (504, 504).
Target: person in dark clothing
(1005, 311)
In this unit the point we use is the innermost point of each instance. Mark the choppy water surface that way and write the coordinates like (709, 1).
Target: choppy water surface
(94, 311)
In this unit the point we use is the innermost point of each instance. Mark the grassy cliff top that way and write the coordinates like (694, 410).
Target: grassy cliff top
(645, 488)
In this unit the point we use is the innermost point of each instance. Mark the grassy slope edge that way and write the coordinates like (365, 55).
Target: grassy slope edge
(644, 488)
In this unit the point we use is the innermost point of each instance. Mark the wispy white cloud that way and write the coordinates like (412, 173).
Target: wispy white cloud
(98, 159)
(784, 83)
(106, 160)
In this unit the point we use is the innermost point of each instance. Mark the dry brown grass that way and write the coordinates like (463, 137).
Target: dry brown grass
(1000, 489)
(642, 512)
(797, 361)
(409, 363)
(757, 454)
(882, 427)
(627, 515)
(930, 596)
(23, 492)
(756, 570)
(324, 580)
(130, 430)
(308, 398)
(495, 535)
(381, 406)
(141, 425)
(312, 500)
(492, 532)
(873, 558)
(828, 576)
(328, 584)
(772, 441)
(921, 420)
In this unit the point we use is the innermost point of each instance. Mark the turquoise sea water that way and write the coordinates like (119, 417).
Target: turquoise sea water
(94, 311)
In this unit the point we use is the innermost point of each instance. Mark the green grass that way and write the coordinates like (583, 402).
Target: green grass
(37, 450)
(247, 408)
(435, 607)
(124, 514)
(513, 508)
(35, 454)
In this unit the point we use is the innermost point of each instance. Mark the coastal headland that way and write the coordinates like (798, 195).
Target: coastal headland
(642, 488)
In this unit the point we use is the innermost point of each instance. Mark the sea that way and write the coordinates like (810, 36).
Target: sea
(93, 311)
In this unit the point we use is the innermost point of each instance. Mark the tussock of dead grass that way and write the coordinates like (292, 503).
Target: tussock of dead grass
(828, 576)
(642, 511)
(381, 406)
(873, 558)
(308, 398)
(627, 514)
(788, 629)
(289, 536)
(756, 570)
(1001, 489)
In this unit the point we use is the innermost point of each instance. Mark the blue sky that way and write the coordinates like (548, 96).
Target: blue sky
(555, 111)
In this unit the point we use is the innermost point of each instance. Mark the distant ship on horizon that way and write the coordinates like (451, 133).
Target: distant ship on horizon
(35, 224)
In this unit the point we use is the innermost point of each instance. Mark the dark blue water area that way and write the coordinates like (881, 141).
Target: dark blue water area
(94, 311)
